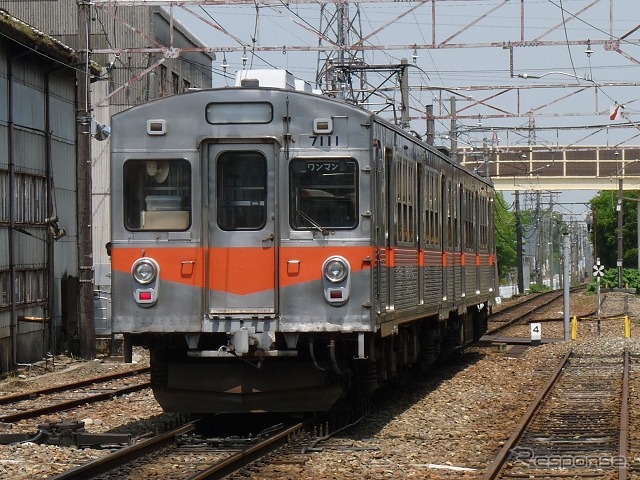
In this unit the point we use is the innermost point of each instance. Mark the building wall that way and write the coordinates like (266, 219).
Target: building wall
(5, 275)
(37, 181)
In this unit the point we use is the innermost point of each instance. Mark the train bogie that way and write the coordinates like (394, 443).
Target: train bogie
(278, 250)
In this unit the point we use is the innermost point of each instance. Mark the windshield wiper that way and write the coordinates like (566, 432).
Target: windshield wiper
(313, 223)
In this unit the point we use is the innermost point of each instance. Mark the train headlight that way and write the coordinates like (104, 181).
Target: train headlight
(144, 270)
(335, 269)
(336, 281)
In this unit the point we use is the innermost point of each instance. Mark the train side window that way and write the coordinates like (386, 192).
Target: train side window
(241, 190)
(323, 193)
(432, 207)
(406, 200)
(157, 194)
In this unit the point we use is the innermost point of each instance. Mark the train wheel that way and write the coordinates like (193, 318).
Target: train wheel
(480, 323)
(428, 349)
(159, 368)
(365, 379)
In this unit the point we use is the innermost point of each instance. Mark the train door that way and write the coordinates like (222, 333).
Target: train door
(421, 219)
(480, 237)
(465, 215)
(387, 239)
(242, 236)
(382, 284)
(446, 242)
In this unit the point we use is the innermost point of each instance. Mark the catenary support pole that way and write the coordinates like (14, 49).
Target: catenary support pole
(567, 282)
(83, 145)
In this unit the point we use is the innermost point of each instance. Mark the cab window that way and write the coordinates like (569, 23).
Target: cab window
(323, 194)
(157, 194)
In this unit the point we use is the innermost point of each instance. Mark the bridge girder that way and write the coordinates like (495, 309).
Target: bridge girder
(535, 167)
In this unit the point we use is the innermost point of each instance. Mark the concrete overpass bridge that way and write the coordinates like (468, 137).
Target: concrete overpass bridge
(536, 167)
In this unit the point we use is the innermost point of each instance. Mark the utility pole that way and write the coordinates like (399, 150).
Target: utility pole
(539, 244)
(405, 120)
(454, 129)
(566, 282)
(485, 157)
(519, 245)
(83, 187)
(619, 208)
(638, 231)
(431, 137)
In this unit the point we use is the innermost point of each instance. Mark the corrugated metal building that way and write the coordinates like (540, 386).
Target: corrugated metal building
(37, 181)
(123, 82)
(120, 84)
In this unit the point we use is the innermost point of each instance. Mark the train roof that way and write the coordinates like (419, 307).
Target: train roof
(251, 92)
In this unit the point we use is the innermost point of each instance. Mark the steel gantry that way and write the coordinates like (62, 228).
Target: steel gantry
(339, 41)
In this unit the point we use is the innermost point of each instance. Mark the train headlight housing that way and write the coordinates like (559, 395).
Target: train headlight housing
(335, 269)
(144, 271)
(336, 280)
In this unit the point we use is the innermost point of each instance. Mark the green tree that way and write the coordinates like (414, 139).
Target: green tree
(604, 228)
(505, 222)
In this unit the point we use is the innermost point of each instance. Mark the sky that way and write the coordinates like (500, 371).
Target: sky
(462, 50)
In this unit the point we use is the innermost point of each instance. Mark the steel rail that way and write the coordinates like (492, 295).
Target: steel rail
(244, 457)
(66, 405)
(17, 397)
(126, 455)
(623, 450)
(494, 469)
(547, 298)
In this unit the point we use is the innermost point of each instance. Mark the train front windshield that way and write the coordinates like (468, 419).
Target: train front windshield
(323, 194)
(157, 194)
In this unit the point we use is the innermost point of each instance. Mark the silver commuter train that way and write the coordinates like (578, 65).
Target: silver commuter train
(278, 250)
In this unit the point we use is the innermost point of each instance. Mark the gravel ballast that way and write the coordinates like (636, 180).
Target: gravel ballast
(448, 424)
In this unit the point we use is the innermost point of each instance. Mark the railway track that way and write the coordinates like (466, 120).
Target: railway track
(185, 453)
(577, 427)
(180, 454)
(35, 403)
(523, 311)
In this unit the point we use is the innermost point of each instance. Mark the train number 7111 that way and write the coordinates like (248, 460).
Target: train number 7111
(324, 141)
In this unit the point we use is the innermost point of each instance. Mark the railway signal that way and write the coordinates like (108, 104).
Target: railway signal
(598, 272)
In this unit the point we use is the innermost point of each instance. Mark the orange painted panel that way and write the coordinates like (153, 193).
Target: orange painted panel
(242, 270)
(391, 257)
(180, 265)
(308, 261)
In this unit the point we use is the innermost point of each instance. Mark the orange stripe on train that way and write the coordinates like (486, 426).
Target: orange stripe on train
(177, 264)
(241, 270)
(304, 264)
(244, 270)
